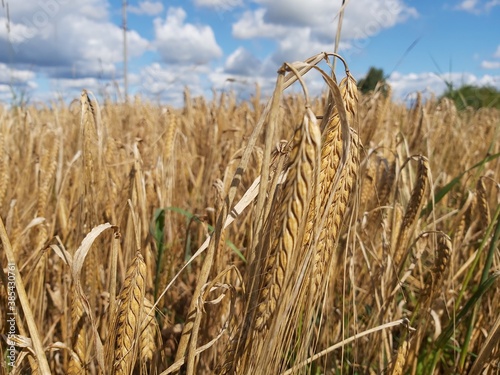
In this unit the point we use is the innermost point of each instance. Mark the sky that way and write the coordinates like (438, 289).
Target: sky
(52, 49)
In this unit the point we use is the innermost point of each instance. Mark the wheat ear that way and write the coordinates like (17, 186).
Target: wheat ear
(292, 206)
(412, 211)
(128, 321)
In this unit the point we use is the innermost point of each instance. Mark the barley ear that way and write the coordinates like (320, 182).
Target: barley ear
(482, 204)
(412, 211)
(79, 336)
(442, 259)
(128, 323)
(149, 330)
(290, 221)
(399, 363)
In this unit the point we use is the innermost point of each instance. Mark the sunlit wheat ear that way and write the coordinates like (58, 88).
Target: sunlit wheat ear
(4, 170)
(367, 194)
(333, 203)
(463, 219)
(482, 204)
(128, 321)
(48, 167)
(386, 183)
(89, 185)
(412, 210)
(399, 363)
(349, 92)
(331, 154)
(330, 231)
(415, 122)
(79, 336)
(149, 330)
(442, 259)
(377, 185)
(292, 205)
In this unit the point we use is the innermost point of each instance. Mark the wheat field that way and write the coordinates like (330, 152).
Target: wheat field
(341, 234)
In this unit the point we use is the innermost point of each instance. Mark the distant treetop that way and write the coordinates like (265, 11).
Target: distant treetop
(374, 76)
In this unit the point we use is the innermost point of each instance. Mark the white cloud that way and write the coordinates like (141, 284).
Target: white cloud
(477, 6)
(242, 62)
(491, 4)
(468, 5)
(9, 75)
(362, 18)
(487, 64)
(149, 8)
(490, 64)
(303, 28)
(220, 5)
(180, 42)
(404, 85)
(66, 39)
(18, 83)
(252, 25)
(76, 85)
(167, 83)
(497, 53)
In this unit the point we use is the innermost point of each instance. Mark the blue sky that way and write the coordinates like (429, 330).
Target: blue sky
(54, 48)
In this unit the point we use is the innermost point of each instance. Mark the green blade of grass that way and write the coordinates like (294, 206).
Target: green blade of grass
(445, 336)
(193, 217)
(158, 232)
(446, 189)
(484, 277)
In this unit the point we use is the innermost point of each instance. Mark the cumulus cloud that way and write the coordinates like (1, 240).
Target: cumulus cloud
(181, 42)
(477, 6)
(149, 8)
(63, 38)
(468, 5)
(362, 18)
(167, 82)
(9, 75)
(219, 4)
(242, 62)
(15, 82)
(302, 28)
(404, 85)
(490, 64)
(253, 25)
